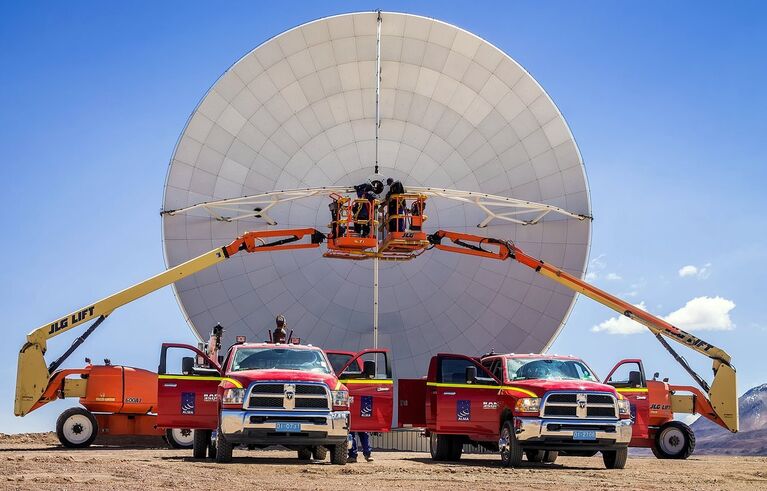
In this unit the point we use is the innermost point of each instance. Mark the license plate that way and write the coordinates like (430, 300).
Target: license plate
(584, 435)
(288, 427)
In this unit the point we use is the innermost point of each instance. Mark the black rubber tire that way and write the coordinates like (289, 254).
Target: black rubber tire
(201, 443)
(174, 443)
(550, 456)
(63, 420)
(511, 456)
(615, 459)
(688, 441)
(339, 453)
(456, 448)
(224, 449)
(305, 453)
(535, 455)
(319, 453)
(440, 447)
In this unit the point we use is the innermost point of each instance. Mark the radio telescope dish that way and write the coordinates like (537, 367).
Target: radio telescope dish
(299, 111)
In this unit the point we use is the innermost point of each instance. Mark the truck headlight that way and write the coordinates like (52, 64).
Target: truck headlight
(233, 396)
(624, 408)
(528, 405)
(340, 398)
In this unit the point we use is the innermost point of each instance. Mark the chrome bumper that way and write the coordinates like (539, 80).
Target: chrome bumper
(560, 431)
(259, 427)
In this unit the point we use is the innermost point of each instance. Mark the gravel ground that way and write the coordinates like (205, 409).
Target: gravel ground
(37, 462)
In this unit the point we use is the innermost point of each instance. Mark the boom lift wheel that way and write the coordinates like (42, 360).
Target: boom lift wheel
(511, 451)
(180, 437)
(77, 428)
(674, 440)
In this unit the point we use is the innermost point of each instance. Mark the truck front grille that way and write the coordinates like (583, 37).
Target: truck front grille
(289, 396)
(579, 405)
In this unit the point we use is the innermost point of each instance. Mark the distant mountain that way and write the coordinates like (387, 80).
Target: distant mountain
(752, 438)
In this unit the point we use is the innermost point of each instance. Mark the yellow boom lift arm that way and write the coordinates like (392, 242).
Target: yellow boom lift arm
(721, 406)
(33, 375)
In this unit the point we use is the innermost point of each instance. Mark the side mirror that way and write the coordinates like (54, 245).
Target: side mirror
(471, 374)
(635, 379)
(369, 369)
(656, 375)
(187, 365)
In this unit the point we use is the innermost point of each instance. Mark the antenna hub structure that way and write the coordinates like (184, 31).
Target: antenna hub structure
(363, 97)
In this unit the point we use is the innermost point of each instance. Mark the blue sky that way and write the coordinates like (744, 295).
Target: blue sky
(666, 100)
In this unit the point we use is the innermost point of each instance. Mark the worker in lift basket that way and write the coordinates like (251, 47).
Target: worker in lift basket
(280, 334)
(367, 451)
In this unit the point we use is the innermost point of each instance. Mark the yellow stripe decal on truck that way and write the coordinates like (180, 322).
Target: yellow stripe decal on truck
(366, 381)
(478, 386)
(632, 390)
(200, 377)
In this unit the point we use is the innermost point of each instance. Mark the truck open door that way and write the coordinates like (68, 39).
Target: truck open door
(466, 396)
(628, 378)
(187, 394)
(412, 403)
(371, 390)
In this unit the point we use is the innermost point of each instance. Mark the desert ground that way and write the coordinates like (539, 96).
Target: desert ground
(38, 462)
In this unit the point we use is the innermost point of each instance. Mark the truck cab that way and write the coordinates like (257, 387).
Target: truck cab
(534, 405)
(264, 394)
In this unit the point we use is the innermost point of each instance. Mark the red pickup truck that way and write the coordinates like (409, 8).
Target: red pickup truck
(532, 405)
(264, 394)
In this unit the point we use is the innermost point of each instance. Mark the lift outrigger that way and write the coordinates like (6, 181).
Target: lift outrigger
(392, 230)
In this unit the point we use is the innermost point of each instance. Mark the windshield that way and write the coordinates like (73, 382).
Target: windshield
(280, 359)
(548, 369)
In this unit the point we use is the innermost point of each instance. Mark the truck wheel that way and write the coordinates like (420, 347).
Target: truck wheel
(439, 447)
(551, 456)
(305, 453)
(535, 455)
(339, 453)
(223, 449)
(511, 451)
(674, 440)
(201, 443)
(615, 459)
(456, 448)
(319, 453)
(77, 428)
(180, 437)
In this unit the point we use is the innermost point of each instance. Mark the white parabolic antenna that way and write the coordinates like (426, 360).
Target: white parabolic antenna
(456, 113)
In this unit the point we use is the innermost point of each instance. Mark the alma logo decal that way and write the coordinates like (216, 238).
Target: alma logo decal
(366, 406)
(72, 319)
(463, 410)
(187, 403)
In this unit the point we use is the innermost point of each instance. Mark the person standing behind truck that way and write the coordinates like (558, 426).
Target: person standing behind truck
(367, 451)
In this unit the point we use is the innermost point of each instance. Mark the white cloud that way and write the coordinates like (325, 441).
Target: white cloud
(704, 314)
(688, 270)
(692, 271)
(613, 277)
(620, 324)
(698, 314)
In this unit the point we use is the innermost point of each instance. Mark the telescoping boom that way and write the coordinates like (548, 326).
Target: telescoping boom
(721, 403)
(33, 375)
